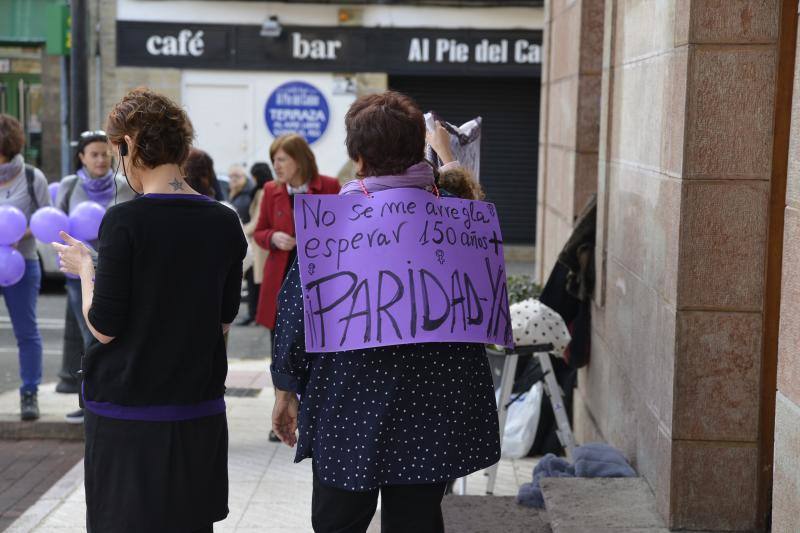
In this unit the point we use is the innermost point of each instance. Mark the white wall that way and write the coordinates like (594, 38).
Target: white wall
(326, 15)
(328, 149)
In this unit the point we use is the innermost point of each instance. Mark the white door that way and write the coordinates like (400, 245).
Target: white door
(222, 119)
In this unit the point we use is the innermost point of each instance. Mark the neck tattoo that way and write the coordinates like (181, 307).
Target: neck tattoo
(177, 185)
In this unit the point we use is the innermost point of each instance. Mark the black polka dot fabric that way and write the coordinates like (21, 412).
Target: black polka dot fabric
(416, 413)
(535, 323)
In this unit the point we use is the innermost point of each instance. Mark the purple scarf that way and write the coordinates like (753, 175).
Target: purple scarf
(419, 176)
(10, 170)
(100, 190)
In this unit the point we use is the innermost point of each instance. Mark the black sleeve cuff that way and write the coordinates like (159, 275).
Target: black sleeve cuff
(285, 382)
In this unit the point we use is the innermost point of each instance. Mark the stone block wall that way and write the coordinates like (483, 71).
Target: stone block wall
(51, 117)
(570, 122)
(117, 81)
(786, 480)
(684, 166)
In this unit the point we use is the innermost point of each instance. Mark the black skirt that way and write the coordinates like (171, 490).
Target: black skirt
(155, 477)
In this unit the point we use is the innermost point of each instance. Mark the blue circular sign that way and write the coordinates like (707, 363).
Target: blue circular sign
(297, 107)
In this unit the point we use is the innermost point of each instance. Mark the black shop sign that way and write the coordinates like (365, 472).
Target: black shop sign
(415, 51)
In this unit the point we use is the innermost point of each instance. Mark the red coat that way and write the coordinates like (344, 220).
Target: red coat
(276, 215)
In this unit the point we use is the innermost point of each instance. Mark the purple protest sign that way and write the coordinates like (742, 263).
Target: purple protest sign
(398, 267)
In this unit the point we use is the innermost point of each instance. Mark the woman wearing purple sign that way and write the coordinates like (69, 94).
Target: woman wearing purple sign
(166, 289)
(396, 420)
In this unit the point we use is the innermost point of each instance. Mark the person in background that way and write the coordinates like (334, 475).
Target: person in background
(166, 289)
(262, 174)
(239, 195)
(199, 174)
(296, 173)
(25, 188)
(425, 412)
(93, 181)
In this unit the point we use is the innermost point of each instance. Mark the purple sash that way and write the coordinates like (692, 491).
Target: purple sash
(154, 413)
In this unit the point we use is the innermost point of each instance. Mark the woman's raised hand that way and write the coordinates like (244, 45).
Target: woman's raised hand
(439, 139)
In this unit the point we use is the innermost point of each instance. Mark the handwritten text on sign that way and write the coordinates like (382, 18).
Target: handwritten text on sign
(399, 267)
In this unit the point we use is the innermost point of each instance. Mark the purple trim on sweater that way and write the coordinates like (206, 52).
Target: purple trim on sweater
(176, 196)
(154, 413)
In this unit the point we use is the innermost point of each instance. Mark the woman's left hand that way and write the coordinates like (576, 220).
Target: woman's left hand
(284, 416)
(74, 256)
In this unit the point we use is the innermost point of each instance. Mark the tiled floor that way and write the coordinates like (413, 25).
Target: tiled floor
(269, 493)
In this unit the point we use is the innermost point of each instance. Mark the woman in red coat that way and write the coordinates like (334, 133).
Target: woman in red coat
(295, 173)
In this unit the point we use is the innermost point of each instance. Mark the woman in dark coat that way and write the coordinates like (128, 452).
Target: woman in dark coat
(399, 420)
(165, 291)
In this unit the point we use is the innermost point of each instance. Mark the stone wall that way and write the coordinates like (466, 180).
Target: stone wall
(684, 167)
(570, 120)
(117, 81)
(51, 117)
(786, 482)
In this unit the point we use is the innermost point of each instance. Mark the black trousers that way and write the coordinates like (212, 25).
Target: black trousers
(252, 293)
(404, 509)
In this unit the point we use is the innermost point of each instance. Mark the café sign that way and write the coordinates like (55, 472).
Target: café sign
(331, 49)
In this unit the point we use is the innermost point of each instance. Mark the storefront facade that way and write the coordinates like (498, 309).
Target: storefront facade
(247, 71)
(34, 47)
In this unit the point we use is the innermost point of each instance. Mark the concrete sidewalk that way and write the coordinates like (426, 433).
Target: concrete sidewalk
(269, 493)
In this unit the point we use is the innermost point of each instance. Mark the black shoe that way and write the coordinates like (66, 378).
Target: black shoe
(273, 437)
(246, 321)
(75, 417)
(28, 406)
(67, 387)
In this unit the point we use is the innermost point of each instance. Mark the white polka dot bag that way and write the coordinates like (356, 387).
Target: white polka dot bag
(535, 323)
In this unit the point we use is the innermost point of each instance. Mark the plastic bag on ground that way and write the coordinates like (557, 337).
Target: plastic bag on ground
(522, 421)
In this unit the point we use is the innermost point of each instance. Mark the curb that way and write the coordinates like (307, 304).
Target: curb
(12, 428)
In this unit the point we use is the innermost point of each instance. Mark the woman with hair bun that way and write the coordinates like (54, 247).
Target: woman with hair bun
(156, 432)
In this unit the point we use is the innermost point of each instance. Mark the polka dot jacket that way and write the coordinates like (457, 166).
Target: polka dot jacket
(414, 413)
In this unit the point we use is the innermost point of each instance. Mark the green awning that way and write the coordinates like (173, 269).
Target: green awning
(28, 21)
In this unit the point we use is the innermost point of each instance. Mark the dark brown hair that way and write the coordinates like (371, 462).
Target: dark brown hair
(298, 149)
(12, 139)
(162, 133)
(199, 172)
(387, 131)
(459, 182)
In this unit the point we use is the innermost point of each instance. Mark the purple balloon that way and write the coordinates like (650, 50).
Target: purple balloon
(12, 266)
(46, 222)
(12, 225)
(53, 188)
(84, 221)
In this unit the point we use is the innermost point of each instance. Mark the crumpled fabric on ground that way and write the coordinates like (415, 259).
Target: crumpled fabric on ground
(590, 460)
(530, 494)
(601, 460)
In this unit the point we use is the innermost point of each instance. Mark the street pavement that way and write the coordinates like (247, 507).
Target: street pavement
(41, 482)
(271, 494)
